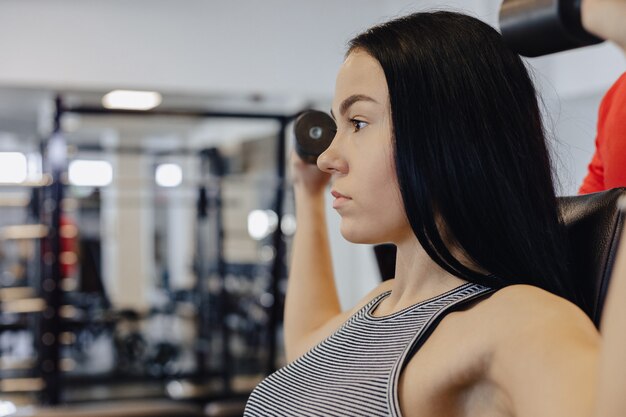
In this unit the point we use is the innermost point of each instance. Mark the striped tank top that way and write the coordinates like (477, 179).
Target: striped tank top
(355, 371)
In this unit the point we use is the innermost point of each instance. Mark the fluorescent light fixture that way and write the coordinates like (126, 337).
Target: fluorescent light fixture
(261, 223)
(169, 175)
(90, 173)
(13, 167)
(131, 100)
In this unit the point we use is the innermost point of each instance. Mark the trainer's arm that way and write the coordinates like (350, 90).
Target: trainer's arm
(606, 19)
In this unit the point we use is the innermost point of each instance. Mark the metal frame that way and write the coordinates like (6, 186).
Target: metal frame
(50, 321)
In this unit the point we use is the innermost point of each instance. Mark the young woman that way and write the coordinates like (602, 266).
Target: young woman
(439, 150)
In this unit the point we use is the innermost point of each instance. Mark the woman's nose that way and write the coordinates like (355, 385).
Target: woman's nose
(331, 160)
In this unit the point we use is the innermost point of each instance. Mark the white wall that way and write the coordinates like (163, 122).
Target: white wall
(288, 47)
(200, 46)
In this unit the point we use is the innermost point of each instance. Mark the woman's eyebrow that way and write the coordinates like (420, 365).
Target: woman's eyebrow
(345, 105)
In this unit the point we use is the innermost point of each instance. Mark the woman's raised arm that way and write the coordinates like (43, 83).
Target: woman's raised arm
(312, 299)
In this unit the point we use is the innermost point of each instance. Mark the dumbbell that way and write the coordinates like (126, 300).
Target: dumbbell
(314, 131)
(540, 27)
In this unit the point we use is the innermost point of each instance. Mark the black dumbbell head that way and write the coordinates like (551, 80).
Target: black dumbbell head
(314, 131)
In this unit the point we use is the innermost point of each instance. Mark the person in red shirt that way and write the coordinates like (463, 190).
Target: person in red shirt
(607, 168)
(605, 18)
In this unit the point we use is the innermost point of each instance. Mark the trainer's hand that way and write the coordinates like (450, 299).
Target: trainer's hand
(307, 177)
(606, 19)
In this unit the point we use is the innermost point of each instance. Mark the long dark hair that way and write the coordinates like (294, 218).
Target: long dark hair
(470, 150)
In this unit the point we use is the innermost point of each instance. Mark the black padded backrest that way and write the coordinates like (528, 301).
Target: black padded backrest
(594, 225)
(386, 259)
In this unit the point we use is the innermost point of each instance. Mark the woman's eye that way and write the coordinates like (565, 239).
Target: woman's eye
(358, 124)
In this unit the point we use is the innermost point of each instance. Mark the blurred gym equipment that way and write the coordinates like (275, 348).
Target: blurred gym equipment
(540, 27)
(64, 341)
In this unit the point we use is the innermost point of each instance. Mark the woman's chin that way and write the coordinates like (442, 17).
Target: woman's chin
(359, 236)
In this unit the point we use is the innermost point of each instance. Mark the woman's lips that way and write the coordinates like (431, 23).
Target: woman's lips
(340, 199)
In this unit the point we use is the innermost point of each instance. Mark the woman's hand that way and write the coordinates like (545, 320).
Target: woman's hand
(307, 177)
(606, 19)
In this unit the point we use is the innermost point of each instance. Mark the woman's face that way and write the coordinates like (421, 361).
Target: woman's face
(360, 158)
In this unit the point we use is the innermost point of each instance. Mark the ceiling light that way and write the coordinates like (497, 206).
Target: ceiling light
(131, 100)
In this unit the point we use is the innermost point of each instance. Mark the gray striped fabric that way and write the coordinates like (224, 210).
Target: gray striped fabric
(355, 371)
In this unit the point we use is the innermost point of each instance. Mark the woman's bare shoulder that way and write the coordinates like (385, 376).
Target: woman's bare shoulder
(525, 311)
(539, 335)
(525, 303)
